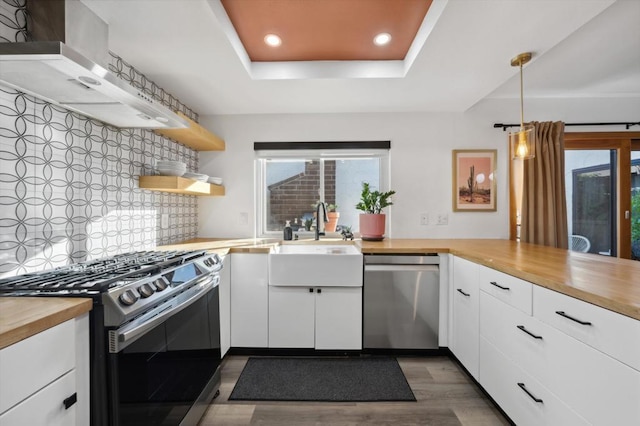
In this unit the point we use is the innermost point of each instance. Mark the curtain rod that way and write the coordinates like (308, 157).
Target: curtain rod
(620, 123)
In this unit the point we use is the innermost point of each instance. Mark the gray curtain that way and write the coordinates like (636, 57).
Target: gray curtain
(544, 206)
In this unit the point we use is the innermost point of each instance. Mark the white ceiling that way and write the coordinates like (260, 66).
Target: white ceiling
(582, 48)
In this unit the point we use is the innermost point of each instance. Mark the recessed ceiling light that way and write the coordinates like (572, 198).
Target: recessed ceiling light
(272, 40)
(382, 39)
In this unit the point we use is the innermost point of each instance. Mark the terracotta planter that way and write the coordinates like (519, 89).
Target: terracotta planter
(372, 226)
(333, 221)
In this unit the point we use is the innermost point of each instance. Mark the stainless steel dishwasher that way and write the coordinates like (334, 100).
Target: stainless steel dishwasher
(401, 302)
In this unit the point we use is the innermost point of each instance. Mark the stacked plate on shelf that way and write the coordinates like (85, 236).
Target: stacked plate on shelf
(171, 168)
(196, 176)
(215, 180)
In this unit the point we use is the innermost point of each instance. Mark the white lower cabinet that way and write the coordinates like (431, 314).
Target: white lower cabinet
(339, 318)
(596, 387)
(522, 397)
(225, 305)
(315, 317)
(45, 407)
(292, 317)
(44, 379)
(465, 317)
(249, 300)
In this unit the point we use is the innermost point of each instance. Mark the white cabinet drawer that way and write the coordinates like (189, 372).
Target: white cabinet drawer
(46, 407)
(598, 387)
(607, 331)
(33, 363)
(465, 329)
(509, 289)
(523, 398)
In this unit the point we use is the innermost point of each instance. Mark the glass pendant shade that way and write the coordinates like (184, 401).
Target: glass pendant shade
(523, 143)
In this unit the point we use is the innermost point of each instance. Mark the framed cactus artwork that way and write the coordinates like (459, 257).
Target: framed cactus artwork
(474, 180)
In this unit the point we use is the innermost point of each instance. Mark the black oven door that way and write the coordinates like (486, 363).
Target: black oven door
(169, 374)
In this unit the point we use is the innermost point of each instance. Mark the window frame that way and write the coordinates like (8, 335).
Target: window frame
(263, 156)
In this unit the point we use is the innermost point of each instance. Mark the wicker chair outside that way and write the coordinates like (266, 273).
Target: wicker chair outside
(580, 243)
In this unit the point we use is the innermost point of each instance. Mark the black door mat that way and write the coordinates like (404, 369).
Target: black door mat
(322, 379)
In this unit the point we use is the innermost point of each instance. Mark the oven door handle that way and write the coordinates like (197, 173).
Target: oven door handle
(120, 339)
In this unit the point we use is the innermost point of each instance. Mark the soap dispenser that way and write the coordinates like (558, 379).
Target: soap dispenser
(288, 232)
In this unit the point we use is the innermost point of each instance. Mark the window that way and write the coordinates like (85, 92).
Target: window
(291, 182)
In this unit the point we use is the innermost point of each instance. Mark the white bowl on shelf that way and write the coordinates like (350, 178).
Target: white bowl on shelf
(170, 163)
(196, 176)
(170, 171)
(215, 180)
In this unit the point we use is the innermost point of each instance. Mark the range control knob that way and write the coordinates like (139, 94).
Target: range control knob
(146, 290)
(160, 284)
(128, 298)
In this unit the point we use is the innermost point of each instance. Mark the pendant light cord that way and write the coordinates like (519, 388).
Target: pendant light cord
(521, 100)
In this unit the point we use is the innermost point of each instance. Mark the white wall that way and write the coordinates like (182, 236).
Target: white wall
(420, 157)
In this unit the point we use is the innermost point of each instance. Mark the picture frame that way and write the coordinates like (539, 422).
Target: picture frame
(474, 180)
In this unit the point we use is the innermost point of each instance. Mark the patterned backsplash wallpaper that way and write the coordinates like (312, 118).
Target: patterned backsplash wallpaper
(69, 184)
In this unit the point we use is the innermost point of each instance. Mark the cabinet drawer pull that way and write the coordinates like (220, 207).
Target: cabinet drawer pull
(310, 290)
(524, 388)
(319, 290)
(68, 402)
(498, 285)
(521, 327)
(562, 314)
(463, 293)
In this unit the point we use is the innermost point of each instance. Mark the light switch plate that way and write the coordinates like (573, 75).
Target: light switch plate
(443, 219)
(424, 218)
(164, 220)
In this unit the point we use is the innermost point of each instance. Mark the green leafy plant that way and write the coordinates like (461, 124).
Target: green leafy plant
(635, 216)
(307, 224)
(330, 207)
(635, 226)
(372, 202)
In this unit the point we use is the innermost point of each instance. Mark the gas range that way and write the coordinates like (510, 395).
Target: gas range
(154, 331)
(126, 284)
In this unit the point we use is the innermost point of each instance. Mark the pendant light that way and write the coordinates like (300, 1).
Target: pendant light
(523, 141)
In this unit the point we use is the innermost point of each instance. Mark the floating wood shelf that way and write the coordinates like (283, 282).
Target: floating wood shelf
(195, 136)
(179, 185)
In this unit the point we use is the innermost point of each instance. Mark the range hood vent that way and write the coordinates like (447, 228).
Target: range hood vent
(77, 78)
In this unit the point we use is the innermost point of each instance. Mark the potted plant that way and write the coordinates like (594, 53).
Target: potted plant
(307, 224)
(332, 215)
(372, 221)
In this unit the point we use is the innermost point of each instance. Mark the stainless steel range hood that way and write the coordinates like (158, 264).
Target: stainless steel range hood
(56, 72)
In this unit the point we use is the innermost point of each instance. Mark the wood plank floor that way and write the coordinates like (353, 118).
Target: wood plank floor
(445, 397)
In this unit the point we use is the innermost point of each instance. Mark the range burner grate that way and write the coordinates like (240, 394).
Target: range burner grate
(98, 275)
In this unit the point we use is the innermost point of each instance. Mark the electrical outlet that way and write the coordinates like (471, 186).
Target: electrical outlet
(243, 218)
(164, 220)
(443, 219)
(424, 218)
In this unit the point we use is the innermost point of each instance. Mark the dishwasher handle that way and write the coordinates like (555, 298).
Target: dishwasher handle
(401, 268)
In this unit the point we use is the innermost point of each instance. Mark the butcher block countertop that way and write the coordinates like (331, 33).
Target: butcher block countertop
(224, 246)
(22, 317)
(605, 281)
(608, 282)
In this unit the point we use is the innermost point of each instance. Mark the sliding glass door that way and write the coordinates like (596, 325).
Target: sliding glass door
(590, 179)
(602, 176)
(635, 202)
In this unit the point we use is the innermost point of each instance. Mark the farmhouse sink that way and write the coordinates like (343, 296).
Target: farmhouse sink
(326, 265)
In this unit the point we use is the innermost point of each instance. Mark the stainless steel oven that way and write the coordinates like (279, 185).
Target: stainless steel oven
(163, 366)
(154, 332)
